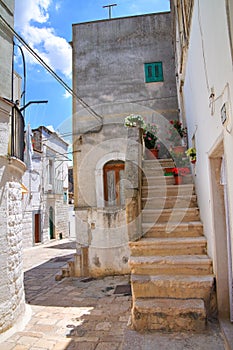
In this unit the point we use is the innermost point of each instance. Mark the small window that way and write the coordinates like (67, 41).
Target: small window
(153, 72)
(65, 197)
(50, 172)
(113, 183)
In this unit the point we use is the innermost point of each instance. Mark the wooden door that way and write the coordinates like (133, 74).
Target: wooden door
(37, 228)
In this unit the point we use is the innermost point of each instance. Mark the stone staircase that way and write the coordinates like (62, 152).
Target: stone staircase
(171, 275)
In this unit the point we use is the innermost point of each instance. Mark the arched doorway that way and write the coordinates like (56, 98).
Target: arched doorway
(223, 263)
(113, 183)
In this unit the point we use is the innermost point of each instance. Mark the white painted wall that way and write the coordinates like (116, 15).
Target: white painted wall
(38, 199)
(209, 66)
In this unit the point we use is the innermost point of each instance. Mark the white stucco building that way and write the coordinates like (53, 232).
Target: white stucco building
(45, 202)
(204, 54)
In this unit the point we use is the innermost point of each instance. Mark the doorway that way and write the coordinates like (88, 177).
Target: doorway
(51, 223)
(223, 261)
(37, 227)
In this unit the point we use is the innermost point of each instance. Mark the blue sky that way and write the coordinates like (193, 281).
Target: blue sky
(46, 25)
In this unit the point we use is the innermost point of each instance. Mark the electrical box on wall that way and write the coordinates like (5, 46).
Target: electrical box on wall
(224, 113)
(225, 116)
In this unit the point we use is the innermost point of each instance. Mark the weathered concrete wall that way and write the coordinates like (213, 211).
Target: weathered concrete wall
(133, 188)
(108, 72)
(105, 146)
(109, 57)
(101, 229)
(104, 231)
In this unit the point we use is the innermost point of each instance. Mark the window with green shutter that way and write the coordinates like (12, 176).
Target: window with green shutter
(153, 72)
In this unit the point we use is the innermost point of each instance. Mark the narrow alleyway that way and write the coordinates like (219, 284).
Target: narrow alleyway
(86, 314)
(74, 313)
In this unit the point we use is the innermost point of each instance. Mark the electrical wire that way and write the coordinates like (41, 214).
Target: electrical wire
(51, 71)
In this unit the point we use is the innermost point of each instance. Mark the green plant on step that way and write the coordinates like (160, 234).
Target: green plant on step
(191, 153)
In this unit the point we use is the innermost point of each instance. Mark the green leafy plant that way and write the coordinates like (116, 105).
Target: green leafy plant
(134, 120)
(176, 132)
(191, 153)
(150, 136)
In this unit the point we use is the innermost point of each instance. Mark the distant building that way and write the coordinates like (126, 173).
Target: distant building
(45, 202)
(71, 185)
(120, 66)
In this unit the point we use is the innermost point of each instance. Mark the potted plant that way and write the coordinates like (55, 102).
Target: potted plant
(191, 153)
(150, 139)
(176, 133)
(179, 173)
(134, 120)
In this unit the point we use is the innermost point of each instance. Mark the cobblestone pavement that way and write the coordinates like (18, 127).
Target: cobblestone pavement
(86, 314)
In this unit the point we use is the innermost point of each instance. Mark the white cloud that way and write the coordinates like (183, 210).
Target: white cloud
(57, 6)
(66, 94)
(31, 20)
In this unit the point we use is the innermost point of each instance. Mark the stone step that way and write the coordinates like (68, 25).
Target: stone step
(169, 314)
(168, 180)
(182, 229)
(167, 190)
(171, 215)
(166, 246)
(171, 265)
(168, 286)
(157, 180)
(65, 272)
(153, 172)
(158, 163)
(170, 202)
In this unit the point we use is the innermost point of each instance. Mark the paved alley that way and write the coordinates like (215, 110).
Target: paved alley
(86, 314)
(75, 313)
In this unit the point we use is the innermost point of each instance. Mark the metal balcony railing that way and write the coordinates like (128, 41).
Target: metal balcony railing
(56, 187)
(17, 134)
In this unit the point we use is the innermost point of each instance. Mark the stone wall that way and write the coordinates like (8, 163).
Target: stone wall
(12, 301)
(61, 219)
(27, 229)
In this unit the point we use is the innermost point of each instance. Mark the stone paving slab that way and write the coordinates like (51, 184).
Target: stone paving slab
(76, 315)
(211, 339)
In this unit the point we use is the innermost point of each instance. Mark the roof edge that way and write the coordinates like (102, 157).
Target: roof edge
(119, 18)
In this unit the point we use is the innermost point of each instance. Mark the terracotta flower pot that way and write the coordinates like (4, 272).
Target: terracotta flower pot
(178, 179)
(151, 154)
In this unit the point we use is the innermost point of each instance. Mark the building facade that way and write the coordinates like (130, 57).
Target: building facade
(204, 56)
(121, 66)
(12, 301)
(45, 202)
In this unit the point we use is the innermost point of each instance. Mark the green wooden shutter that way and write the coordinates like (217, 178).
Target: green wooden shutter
(153, 72)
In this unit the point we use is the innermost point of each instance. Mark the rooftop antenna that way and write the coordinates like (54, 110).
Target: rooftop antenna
(109, 9)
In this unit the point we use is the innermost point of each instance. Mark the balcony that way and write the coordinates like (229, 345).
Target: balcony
(56, 187)
(17, 134)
